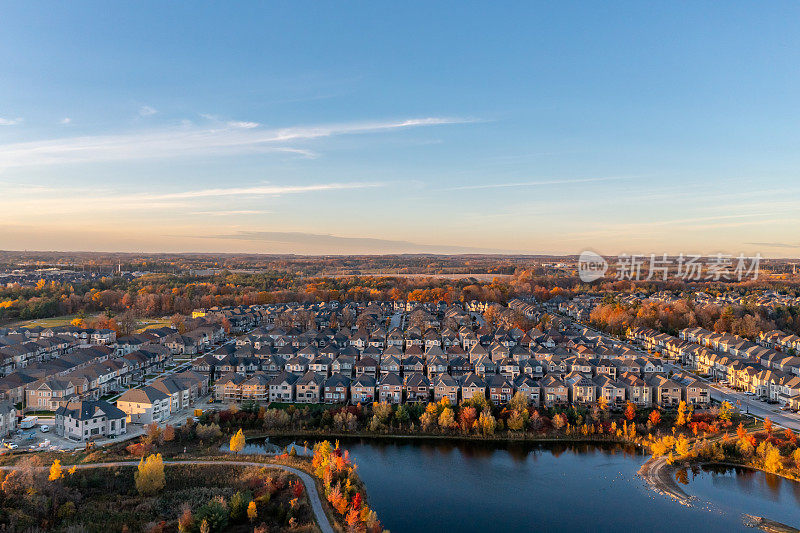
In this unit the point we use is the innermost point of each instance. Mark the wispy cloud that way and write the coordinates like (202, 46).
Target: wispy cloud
(147, 111)
(242, 124)
(258, 190)
(191, 141)
(232, 213)
(192, 201)
(537, 183)
(774, 244)
(10, 121)
(65, 120)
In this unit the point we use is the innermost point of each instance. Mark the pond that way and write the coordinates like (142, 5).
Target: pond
(470, 487)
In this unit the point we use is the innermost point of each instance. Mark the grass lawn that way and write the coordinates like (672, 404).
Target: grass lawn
(148, 323)
(144, 324)
(48, 322)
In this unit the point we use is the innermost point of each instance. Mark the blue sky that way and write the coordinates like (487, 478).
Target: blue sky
(377, 127)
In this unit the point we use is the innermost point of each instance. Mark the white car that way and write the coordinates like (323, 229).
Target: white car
(44, 429)
(11, 446)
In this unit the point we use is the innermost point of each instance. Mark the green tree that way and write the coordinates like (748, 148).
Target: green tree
(214, 514)
(238, 506)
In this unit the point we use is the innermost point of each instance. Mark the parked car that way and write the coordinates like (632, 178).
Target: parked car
(45, 428)
(11, 446)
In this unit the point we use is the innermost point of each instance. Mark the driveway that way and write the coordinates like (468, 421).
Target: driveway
(308, 481)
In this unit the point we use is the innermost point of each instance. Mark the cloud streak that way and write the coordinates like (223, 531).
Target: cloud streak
(147, 111)
(259, 190)
(242, 138)
(10, 121)
(537, 183)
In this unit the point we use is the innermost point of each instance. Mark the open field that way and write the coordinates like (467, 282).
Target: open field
(52, 322)
(148, 323)
(48, 322)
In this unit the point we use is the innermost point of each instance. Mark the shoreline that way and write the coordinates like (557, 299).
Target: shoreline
(655, 471)
(444, 438)
(659, 476)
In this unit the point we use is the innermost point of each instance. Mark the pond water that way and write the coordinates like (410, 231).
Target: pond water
(469, 487)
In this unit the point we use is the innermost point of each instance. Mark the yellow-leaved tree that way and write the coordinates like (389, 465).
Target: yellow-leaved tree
(237, 442)
(682, 419)
(772, 460)
(447, 419)
(55, 471)
(252, 512)
(150, 475)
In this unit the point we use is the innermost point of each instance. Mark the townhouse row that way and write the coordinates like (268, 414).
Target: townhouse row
(548, 389)
(743, 365)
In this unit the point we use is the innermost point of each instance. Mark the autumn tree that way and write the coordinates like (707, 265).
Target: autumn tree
(467, 417)
(630, 411)
(519, 402)
(741, 433)
(725, 410)
(153, 434)
(772, 460)
(602, 403)
(178, 322)
(353, 520)
(682, 446)
(150, 475)
(487, 423)
(682, 419)
(186, 520)
(252, 512)
(429, 417)
(655, 417)
(768, 425)
(237, 442)
(447, 419)
(56, 472)
(516, 421)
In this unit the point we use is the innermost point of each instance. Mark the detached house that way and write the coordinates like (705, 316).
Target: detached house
(390, 388)
(145, 405)
(362, 389)
(309, 387)
(282, 387)
(85, 420)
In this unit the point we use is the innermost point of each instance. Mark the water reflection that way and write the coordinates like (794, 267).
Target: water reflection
(554, 487)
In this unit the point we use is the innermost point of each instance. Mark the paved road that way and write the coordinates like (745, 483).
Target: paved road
(308, 481)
